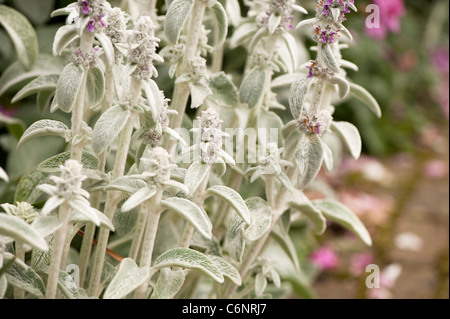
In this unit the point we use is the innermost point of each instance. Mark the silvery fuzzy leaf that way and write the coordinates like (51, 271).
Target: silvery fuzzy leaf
(343, 85)
(207, 246)
(287, 245)
(349, 65)
(284, 80)
(223, 91)
(126, 185)
(235, 238)
(300, 9)
(183, 78)
(261, 215)
(108, 127)
(27, 190)
(169, 283)
(176, 186)
(138, 198)
(304, 23)
(289, 128)
(44, 128)
(24, 277)
(227, 269)
(328, 58)
(219, 167)
(195, 215)
(63, 37)
(83, 207)
(195, 175)
(364, 96)
(260, 284)
(15, 75)
(51, 165)
(95, 86)
(40, 259)
(291, 46)
(284, 179)
(176, 16)
(46, 225)
(68, 87)
(340, 214)
(66, 283)
(242, 33)
(191, 259)
(177, 137)
(275, 278)
(220, 22)
(3, 175)
(336, 14)
(3, 286)
(350, 134)
(256, 38)
(22, 35)
(127, 279)
(233, 198)
(297, 95)
(20, 231)
(199, 92)
(274, 22)
(301, 203)
(125, 223)
(108, 48)
(327, 157)
(344, 31)
(41, 83)
(309, 157)
(233, 8)
(252, 87)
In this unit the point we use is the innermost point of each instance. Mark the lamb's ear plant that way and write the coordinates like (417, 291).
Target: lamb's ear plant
(174, 209)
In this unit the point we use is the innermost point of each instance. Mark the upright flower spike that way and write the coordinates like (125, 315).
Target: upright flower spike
(143, 44)
(157, 165)
(95, 13)
(116, 30)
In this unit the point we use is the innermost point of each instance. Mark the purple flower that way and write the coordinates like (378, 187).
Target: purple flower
(91, 26)
(325, 258)
(391, 12)
(359, 263)
(85, 7)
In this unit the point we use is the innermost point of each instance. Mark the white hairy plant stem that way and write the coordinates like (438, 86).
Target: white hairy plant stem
(181, 90)
(57, 252)
(89, 230)
(139, 231)
(148, 241)
(20, 254)
(112, 197)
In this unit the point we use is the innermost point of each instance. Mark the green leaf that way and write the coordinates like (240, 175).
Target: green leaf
(287, 245)
(37, 11)
(138, 198)
(43, 100)
(199, 92)
(300, 202)
(260, 284)
(224, 92)
(15, 126)
(350, 134)
(3, 175)
(233, 199)
(3, 286)
(261, 215)
(63, 37)
(16, 228)
(124, 223)
(291, 46)
(234, 12)
(242, 33)
(27, 190)
(68, 87)
(46, 225)
(227, 269)
(236, 238)
(51, 165)
(23, 277)
(343, 85)
(22, 35)
(328, 159)
(191, 212)
(15, 77)
(95, 85)
(220, 24)
(328, 58)
(41, 83)
(169, 284)
(83, 207)
(340, 214)
(191, 259)
(126, 185)
(67, 285)
(108, 48)
(195, 175)
(364, 96)
(252, 88)
(308, 157)
(176, 16)
(108, 127)
(44, 128)
(128, 278)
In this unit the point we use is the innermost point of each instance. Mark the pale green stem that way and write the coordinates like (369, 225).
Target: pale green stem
(217, 60)
(57, 252)
(138, 232)
(20, 254)
(111, 204)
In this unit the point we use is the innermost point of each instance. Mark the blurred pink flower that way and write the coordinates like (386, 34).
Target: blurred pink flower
(369, 207)
(359, 263)
(325, 258)
(388, 278)
(435, 169)
(391, 12)
(440, 60)
(7, 112)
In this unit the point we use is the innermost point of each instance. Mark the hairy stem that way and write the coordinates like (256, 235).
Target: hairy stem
(139, 231)
(20, 254)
